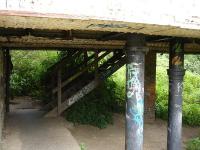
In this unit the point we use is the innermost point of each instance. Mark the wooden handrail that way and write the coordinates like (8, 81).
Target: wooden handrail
(83, 64)
(64, 60)
(89, 86)
(81, 71)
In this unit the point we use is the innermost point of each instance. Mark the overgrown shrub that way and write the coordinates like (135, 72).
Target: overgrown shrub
(83, 146)
(191, 114)
(191, 106)
(95, 108)
(119, 90)
(193, 144)
(191, 96)
(28, 69)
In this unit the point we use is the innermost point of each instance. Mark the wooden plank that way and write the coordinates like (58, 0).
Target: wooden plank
(59, 93)
(82, 65)
(31, 42)
(80, 72)
(85, 58)
(82, 44)
(63, 61)
(80, 94)
(96, 65)
(87, 88)
(41, 42)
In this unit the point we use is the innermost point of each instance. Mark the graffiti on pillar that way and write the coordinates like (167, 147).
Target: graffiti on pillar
(177, 59)
(133, 82)
(135, 93)
(179, 88)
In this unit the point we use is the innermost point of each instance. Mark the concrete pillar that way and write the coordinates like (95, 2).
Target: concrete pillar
(176, 73)
(8, 70)
(2, 92)
(135, 51)
(150, 86)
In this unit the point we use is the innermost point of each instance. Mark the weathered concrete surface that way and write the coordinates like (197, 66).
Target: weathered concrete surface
(2, 94)
(26, 129)
(150, 86)
(172, 18)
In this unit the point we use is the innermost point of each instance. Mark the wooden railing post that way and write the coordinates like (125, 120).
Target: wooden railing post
(85, 57)
(64, 83)
(59, 93)
(96, 64)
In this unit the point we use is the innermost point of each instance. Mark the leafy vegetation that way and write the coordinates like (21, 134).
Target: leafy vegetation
(28, 69)
(193, 144)
(191, 96)
(94, 109)
(97, 107)
(83, 146)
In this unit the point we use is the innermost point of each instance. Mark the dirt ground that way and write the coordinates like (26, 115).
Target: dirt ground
(27, 129)
(25, 118)
(112, 138)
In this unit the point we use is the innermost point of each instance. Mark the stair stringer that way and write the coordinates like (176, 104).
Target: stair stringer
(68, 102)
(85, 90)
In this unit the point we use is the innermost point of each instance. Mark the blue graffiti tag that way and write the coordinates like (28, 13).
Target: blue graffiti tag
(135, 93)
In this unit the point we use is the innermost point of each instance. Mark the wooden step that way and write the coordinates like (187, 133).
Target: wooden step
(68, 102)
(88, 87)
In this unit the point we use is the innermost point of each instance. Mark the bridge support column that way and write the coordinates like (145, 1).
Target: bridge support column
(2, 92)
(135, 51)
(150, 86)
(176, 73)
(8, 69)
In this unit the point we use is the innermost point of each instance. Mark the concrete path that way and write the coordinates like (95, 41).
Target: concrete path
(26, 129)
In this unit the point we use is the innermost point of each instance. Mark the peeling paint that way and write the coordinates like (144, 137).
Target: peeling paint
(135, 101)
(176, 73)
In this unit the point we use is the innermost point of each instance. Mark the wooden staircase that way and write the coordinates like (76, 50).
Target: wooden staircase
(76, 75)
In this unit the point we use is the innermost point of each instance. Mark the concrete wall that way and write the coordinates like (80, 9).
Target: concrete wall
(150, 86)
(2, 93)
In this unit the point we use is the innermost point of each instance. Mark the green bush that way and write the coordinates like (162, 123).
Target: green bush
(28, 69)
(191, 114)
(94, 109)
(193, 144)
(83, 146)
(191, 105)
(97, 108)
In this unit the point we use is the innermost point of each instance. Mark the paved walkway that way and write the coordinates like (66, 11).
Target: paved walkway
(26, 129)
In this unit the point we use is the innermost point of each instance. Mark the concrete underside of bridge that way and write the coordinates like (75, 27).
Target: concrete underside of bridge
(97, 24)
(102, 25)
(2, 92)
